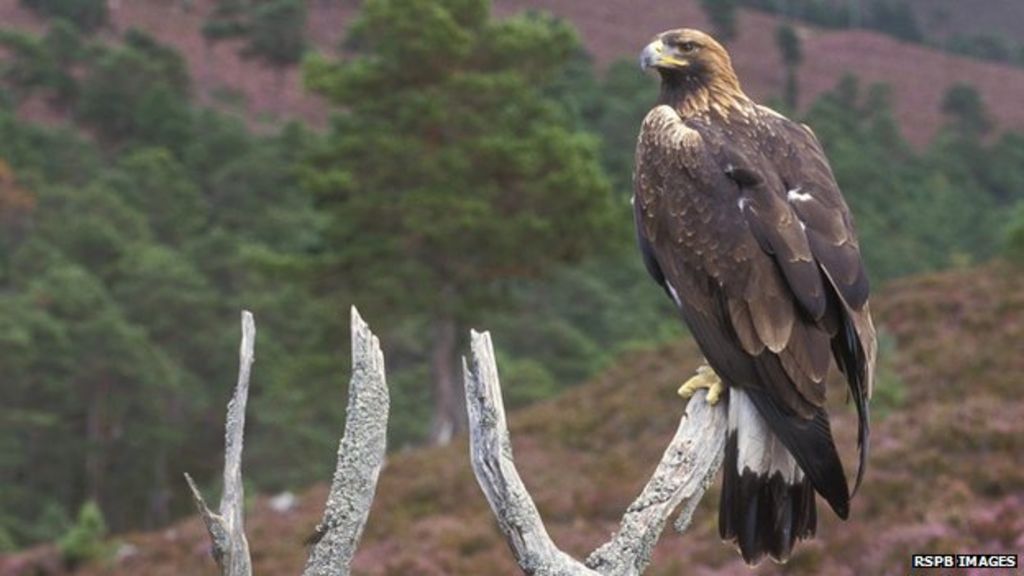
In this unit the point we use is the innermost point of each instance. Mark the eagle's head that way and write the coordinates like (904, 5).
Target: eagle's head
(696, 71)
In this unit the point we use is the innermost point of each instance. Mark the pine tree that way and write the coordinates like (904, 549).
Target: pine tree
(788, 42)
(449, 172)
(722, 14)
(965, 110)
(88, 15)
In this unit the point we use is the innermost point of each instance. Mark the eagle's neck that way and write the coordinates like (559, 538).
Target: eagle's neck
(696, 95)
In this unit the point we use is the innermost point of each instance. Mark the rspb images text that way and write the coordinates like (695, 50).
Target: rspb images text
(964, 561)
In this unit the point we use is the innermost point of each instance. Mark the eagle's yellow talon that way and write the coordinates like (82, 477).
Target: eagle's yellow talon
(705, 378)
(715, 392)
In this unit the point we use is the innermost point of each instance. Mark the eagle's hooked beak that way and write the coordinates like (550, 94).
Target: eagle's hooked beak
(657, 55)
(652, 52)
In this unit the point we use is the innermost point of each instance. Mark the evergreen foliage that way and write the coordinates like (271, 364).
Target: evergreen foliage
(915, 211)
(496, 182)
(123, 264)
(84, 541)
(722, 14)
(892, 17)
(42, 63)
(1015, 236)
(788, 43)
(895, 18)
(963, 106)
(277, 31)
(983, 46)
(274, 30)
(86, 14)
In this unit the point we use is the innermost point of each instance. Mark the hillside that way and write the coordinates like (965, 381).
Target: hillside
(919, 76)
(945, 18)
(611, 29)
(944, 474)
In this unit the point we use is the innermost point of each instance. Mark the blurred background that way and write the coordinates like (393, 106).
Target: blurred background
(456, 164)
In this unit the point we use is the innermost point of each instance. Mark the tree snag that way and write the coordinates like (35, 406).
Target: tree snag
(687, 468)
(360, 458)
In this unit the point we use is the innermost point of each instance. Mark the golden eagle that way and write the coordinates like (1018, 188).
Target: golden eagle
(740, 220)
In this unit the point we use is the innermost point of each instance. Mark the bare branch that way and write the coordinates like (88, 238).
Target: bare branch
(360, 458)
(227, 531)
(491, 455)
(687, 468)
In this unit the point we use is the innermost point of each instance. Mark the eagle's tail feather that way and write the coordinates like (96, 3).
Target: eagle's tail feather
(808, 441)
(767, 502)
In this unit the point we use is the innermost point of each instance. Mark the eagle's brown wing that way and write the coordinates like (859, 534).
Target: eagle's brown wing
(769, 296)
(808, 191)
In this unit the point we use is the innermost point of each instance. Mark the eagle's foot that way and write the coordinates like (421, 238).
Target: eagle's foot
(705, 378)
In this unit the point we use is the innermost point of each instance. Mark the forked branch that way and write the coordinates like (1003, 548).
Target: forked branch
(360, 458)
(687, 468)
(230, 548)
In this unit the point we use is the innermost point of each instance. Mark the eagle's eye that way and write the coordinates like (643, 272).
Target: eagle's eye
(688, 47)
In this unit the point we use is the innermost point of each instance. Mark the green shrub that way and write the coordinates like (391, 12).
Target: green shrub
(86, 14)
(84, 541)
(1015, 236)
(890, 390)
(6, 541)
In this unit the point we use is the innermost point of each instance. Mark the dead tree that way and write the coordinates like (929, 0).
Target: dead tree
(686, 470)
(360, 458)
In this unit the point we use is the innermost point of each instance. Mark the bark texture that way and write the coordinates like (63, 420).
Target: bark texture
(360, 458)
